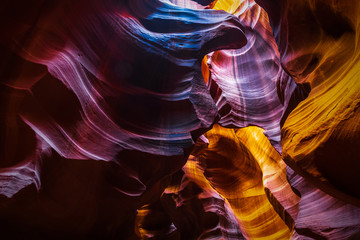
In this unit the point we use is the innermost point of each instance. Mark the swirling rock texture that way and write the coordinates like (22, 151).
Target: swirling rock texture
(179, 119)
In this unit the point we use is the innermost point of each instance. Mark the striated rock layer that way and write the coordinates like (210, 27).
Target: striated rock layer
(179, 119)
(321, 135)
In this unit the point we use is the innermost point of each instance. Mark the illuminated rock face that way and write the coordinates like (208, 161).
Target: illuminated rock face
(321, 135)
(139, 119)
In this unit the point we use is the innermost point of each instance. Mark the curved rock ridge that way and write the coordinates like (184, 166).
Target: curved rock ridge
(102, 74)
(332, 26)
(193, 4)
(269, 199)
(193, 209)
(93, 101)
(317, 211)
(241, 165)
(321, 134)
(249, 85)
(170, 119)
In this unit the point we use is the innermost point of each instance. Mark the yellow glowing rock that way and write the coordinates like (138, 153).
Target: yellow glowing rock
(240, 164)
